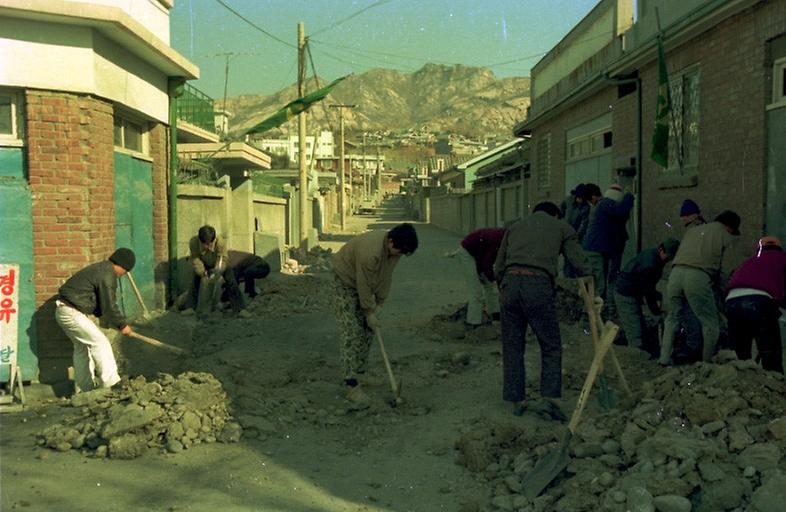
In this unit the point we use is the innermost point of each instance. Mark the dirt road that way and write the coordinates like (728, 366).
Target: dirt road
(304, 447)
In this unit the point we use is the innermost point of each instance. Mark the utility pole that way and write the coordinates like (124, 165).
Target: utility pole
(379, 174)
(365, 174)
(342, 198)
(301, 134)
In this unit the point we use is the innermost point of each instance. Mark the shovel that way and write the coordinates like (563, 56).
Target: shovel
(145, 311)
(394, 386)
(159, 344)
(554, 462)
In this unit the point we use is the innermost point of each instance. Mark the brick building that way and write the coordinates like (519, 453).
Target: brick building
(84, 160)
(593, 109)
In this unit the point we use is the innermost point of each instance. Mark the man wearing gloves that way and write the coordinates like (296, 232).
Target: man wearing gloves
(363, 274)
(92, 291)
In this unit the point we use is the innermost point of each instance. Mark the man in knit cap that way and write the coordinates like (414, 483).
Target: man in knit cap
(705, 259)
(605, 241)
(691, 214)
(92, 291)
(754, 294)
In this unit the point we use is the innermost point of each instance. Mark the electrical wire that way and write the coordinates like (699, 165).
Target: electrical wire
(272, 36)
(316, 79)
(351, 16)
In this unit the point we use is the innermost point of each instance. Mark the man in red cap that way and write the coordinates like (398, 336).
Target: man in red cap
(92, 291)
(754, 294)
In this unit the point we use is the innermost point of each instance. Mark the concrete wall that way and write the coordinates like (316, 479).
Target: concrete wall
(152, 14)
(79, 60)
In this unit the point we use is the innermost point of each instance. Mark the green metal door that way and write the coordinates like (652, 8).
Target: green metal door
(134, 228)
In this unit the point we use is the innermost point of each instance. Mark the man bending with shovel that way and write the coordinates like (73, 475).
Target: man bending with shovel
(363, 270)
(525, 268)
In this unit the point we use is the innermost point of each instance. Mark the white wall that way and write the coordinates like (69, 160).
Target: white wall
(153, 14)
(78, 59)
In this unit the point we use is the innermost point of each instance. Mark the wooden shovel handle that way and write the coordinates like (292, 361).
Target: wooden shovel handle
(393, 384)
(610, 332)
(136, 292)
(159, 344)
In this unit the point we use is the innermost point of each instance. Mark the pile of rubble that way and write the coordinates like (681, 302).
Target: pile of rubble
(706, 437)
(168, 414)
(292, 295)
(312, 261)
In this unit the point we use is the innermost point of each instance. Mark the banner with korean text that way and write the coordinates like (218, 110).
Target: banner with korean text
(9, 315)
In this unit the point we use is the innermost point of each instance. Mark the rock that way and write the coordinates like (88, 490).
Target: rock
(520, 502)
(739, 439)
(712, 427)
(127, 446)
(87, 398)
(749, 472)
(762, 456)
(630, 438)
(585, 450)
(174, 446)
(513, 483)
(610, 446)
(503, 502)
(771, 496)
(619, 496)
(230, 433)
(723, 495)
(711, 472)
(102, 451)
(462, 358)
(777, 428)
(606, 479)
(672, 503)
(130, 417)
(640, 500)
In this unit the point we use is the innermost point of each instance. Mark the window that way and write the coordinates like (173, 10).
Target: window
(684, 122)
(130, 134)
(11, 120)
(544, 162)
(589, 145)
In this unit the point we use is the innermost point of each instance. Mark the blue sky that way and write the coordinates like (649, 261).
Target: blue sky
(353, 36)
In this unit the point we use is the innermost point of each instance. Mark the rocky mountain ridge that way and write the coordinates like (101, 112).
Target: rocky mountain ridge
(436, 98)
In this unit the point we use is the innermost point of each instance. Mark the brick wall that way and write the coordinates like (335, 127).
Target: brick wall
(71, 173)
(734, 90)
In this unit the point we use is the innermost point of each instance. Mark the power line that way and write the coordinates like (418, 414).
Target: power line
(353, 15)
(356, 64)
(316, 79)
(274, 37)
(361, 52)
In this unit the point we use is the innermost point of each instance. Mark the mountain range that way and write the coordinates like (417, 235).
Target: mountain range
(436, 98)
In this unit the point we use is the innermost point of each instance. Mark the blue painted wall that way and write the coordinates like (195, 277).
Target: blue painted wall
(16, 246)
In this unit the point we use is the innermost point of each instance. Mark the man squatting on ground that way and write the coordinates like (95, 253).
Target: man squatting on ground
(636, 283)
(705, 259)
(477, 255)
(209, 259)
(754, 294)
(363, 270)
(92, 291)
(525, 269)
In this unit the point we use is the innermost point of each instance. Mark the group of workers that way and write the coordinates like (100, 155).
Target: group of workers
(710, 281)
(511, 277)
(93, 291)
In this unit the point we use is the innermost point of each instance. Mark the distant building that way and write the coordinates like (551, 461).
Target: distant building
(320, 147)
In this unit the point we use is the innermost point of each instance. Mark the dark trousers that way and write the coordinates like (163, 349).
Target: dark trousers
(529, 301)
(756, 317)
(252, 268)
(231, 291)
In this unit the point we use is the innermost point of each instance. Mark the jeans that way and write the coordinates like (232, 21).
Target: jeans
(529, 301)
(756, 317)
(93, 356)
(604, 268)
(690, 288)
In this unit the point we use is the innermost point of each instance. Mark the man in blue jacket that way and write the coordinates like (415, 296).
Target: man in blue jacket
(605, 239)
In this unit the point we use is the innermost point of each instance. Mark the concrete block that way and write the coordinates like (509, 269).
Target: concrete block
(271, 248)
(313, 239)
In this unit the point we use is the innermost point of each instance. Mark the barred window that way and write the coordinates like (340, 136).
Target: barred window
(11, 119)
(684, 122)
(544, 162)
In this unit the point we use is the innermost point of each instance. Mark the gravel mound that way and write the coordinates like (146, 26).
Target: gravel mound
(169, 414)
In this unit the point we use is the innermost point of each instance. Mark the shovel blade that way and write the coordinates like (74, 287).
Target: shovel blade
(547, 469)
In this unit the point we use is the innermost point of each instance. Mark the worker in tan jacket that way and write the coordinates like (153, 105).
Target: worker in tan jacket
(363, 271)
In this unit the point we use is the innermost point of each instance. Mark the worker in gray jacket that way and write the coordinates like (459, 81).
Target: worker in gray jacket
(525, 268)
(92, 291)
